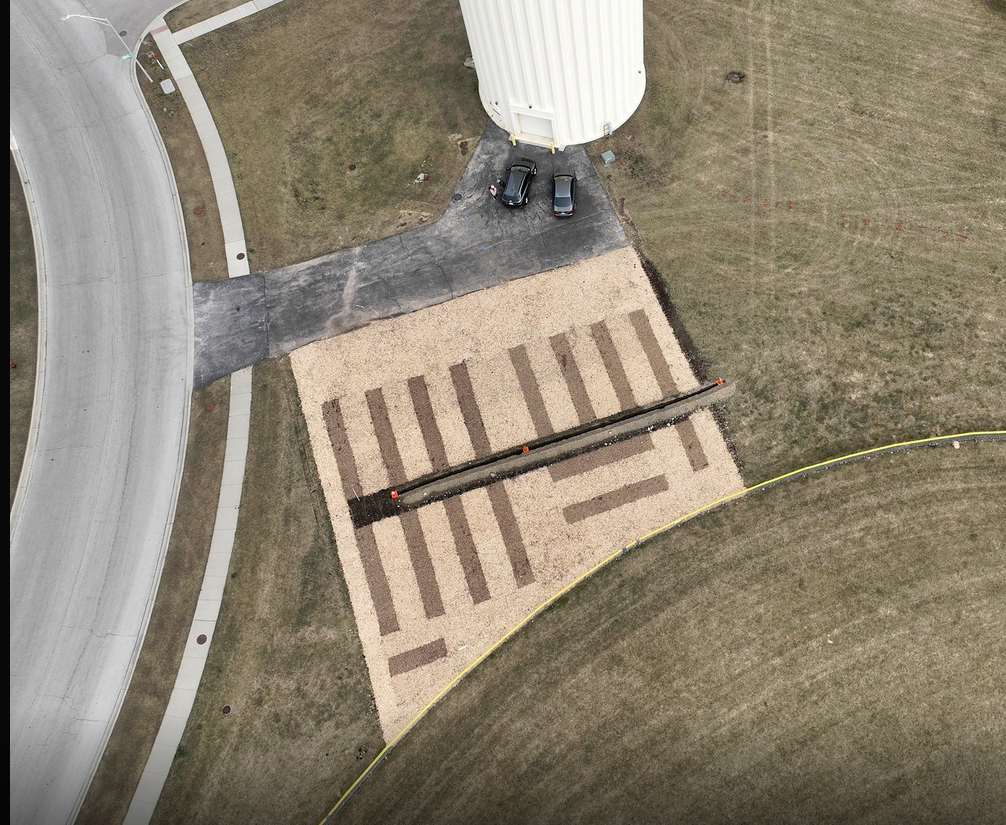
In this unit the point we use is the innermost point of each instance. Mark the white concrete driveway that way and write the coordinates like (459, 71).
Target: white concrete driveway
(90, 524)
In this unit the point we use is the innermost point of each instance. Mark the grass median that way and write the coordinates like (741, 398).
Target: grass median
(283, 715)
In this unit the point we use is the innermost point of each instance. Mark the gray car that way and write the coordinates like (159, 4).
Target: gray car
(563, 193)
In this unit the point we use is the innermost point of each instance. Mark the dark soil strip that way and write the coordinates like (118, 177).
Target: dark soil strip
(417, 657)
(422, 565)
(385, 436)
(468, 555)
(615, 499)
(463, 543)
(373, 570)
(499, 498)
(693, 447)
(626, 400)
(415, 540)
(599, 458)
(613, 365)
(510, 530)
(662, 372)
(470, 409)
(695, 360)
(644, 332)
(574, 378)
(432, 438)
(532, 395)
(377, 581)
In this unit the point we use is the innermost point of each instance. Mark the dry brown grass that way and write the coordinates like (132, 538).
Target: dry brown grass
(192, 173)
(308, 88)
(195, 11)
(810, 222)
(844, 333)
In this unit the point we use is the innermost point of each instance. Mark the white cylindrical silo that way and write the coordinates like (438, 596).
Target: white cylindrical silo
(556, 72)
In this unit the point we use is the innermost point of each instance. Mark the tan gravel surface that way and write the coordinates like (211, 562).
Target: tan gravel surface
(482, 373)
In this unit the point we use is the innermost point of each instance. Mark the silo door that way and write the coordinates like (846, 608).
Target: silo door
(534, 128)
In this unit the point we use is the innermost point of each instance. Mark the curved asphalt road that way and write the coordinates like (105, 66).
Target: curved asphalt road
(89, 526)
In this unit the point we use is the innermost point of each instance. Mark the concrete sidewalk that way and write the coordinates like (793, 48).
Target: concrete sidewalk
(477, 243)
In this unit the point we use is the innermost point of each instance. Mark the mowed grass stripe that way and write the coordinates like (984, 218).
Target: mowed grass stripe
(636, 779)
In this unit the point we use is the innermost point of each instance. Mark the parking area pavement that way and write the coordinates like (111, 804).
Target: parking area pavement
(477, 243)
(434, 587)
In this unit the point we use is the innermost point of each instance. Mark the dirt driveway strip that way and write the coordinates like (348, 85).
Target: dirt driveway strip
(435, 587)
(477, 243)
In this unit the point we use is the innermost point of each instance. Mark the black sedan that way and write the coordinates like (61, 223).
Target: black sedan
(563, 194)
(518, 182)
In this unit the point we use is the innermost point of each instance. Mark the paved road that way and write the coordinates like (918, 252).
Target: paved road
(89, 527)
(476, 244)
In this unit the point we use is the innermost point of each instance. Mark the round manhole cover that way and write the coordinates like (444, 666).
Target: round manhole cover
(352, 167)
(241, 256)
(457, 196)
(201, 639)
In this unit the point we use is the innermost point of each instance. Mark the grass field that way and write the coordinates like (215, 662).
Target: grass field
(196, 11)
(828, 650)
